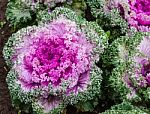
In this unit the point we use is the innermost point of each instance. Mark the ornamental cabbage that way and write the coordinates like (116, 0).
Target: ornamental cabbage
(53, 64)
(51, 53)
(130, 57)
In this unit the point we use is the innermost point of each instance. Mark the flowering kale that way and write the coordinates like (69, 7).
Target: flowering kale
(53, 64)
(130, 56)
(51, 53)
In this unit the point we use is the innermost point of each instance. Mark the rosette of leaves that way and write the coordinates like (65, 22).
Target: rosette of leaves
(54, 64)
(108, 16)
(126, 108)
(129, 58)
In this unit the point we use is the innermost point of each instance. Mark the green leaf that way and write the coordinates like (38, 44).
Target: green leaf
(17, 14)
